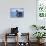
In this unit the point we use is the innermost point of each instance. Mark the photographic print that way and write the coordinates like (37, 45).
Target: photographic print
(16, 12)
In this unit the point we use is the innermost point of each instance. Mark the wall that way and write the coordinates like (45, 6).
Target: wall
(23, 23)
